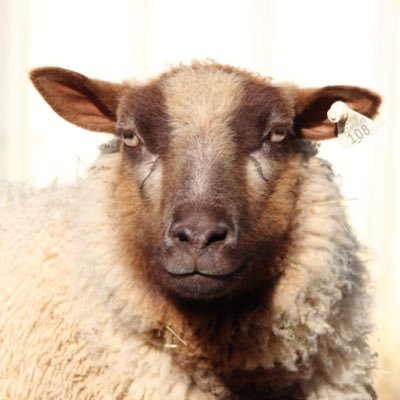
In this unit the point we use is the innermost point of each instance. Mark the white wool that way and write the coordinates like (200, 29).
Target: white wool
(73, 324)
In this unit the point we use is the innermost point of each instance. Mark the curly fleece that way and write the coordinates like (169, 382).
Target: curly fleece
(76, 323)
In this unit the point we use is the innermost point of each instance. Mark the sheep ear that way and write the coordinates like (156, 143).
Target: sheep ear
(312, 106)
(88, 103)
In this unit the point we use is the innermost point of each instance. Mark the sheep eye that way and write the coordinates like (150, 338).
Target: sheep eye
(130, 138)
(277, 135)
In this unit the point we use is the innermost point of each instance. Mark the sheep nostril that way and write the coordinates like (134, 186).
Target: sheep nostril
(219, 234)
(183, 236)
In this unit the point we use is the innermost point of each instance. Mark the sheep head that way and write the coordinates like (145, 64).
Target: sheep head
(208, 171)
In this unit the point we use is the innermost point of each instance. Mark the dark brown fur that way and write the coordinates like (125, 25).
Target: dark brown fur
(143, 109)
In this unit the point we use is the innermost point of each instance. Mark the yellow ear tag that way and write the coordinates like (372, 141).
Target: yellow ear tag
(352, 126)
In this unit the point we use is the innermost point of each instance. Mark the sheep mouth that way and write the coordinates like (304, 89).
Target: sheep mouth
(200, 275)
(209, 274)
(208, 264)
(196, 285)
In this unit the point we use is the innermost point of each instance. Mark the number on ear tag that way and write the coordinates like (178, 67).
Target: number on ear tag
(352, 126)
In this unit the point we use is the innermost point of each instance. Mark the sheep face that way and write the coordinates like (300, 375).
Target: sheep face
(205, 162)
(208, 174)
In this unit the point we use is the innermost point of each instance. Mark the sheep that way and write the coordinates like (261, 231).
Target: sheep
(206, 254)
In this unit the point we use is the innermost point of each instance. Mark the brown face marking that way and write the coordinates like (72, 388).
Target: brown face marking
(143, 109)
(262, 107)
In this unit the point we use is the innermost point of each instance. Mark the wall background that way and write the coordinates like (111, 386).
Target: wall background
(310, 42)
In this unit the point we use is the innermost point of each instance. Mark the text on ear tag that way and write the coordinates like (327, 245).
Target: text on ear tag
(352, 126)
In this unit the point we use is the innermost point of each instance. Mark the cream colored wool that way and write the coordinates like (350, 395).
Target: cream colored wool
(74, 322)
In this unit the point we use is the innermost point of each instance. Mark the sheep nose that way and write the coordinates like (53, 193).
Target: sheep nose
(200, 231)
(201, 234)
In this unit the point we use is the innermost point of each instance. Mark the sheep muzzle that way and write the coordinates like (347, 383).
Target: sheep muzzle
(201, 254)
